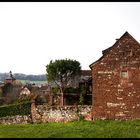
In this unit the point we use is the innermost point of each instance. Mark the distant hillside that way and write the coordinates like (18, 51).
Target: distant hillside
(20, 76)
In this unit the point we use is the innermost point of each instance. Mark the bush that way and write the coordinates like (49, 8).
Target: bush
(26, 98)
(10, 98)
(15, 109)
(72, 90)
(55, 90)
(9, 93)
(41, 99)
(82, 95)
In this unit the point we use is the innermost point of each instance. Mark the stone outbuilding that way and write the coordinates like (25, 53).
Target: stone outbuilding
(116, 81)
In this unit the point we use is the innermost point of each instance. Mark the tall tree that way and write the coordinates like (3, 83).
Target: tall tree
(62, 72)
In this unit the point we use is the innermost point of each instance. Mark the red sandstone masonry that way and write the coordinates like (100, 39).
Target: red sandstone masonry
(33, 111)
(115, 97)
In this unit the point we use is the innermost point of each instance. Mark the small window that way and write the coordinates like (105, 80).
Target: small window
(127, 46)
(124, 74)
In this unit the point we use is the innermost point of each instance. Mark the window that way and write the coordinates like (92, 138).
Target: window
(124, 74)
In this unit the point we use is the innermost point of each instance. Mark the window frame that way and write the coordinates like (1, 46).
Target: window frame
(124, 74)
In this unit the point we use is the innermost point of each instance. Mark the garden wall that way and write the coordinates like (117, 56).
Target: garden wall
(17, 119)
(62, 114)
(44, 113)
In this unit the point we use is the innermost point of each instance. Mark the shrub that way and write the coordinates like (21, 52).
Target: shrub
(72, 90)
(10, 98)
(26, 98)
(55, 90)
(82, 95)
(41, 99)
(15, 109)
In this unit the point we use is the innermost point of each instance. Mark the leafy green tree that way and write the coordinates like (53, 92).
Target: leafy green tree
(17, 83)
(7, 88)
(0, 92)
(62, 72)
(1, 97)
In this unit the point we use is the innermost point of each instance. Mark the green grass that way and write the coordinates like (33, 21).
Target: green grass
(77, 129)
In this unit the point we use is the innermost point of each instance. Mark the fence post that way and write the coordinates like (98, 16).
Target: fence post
(33, 110)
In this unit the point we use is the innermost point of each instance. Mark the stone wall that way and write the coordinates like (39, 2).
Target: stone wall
(45, 113)
(17, 119)
(62, 113)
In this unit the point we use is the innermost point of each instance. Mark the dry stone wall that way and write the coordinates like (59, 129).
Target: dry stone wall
(61, 114)
(44, 113)
(17, 119)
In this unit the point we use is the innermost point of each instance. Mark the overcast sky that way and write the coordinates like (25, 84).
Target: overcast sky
(33, 33)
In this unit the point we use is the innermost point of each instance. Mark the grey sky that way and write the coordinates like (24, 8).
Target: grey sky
(33, 33)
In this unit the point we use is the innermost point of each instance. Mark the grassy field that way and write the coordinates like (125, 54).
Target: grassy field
(77, 129)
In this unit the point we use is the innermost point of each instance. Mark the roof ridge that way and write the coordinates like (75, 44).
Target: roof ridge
(108, 49)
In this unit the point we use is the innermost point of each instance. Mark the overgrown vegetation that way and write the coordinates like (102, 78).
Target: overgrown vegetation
(72, 90)
(77, 129)
(26, 98)
(9, 92)
(82, 95)
(15, 109)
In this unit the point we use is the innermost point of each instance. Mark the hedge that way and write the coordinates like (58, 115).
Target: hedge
(15, 109)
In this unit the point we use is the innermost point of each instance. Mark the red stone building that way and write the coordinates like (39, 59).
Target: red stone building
(116, 81)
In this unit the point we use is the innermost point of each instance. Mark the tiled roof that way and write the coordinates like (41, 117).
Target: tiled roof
(85, 72)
